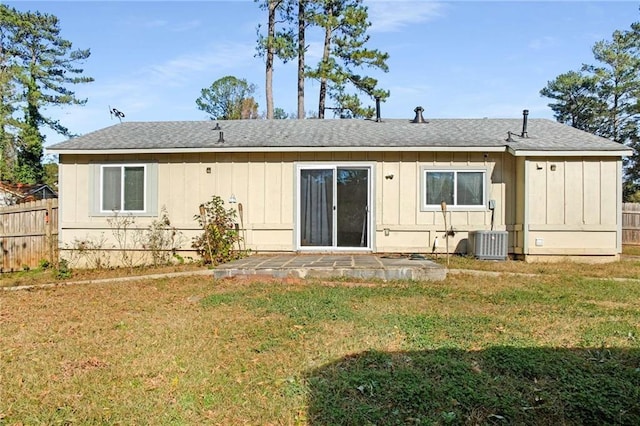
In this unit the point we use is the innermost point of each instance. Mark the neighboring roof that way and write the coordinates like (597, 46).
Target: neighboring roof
(341, 135)
(21, 192)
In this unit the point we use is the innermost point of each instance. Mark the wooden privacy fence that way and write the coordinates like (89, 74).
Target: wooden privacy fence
(28, 234)
(631, 223)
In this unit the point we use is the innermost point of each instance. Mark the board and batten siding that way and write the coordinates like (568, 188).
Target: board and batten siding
(398, 200)
(264, 183)
(572, 206)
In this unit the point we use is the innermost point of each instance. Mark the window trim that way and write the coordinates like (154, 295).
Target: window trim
(454, 207)
(150, 188)
(122, 168)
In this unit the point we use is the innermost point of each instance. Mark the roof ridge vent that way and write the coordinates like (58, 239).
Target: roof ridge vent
(419, 118)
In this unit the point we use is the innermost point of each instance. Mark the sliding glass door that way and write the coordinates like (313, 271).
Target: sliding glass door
(334, 207)
(316, 207)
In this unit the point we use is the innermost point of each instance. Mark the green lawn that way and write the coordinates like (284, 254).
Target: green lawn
(558, 348)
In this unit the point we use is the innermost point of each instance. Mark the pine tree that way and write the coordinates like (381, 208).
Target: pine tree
(45, 68)
(603, 98)
(8, 96)
(576, 102)
(277, 43)
(345, 53)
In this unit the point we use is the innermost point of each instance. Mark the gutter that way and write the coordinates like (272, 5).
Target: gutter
(569, 153)
(279, 149)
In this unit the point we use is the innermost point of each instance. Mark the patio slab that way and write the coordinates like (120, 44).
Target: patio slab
(364, 266)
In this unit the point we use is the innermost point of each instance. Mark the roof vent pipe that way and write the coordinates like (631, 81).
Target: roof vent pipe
(378, 118)
(418, 118)
(525, 115)
(221, 138)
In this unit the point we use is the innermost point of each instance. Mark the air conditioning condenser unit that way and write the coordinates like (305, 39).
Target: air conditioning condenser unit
(489, 245)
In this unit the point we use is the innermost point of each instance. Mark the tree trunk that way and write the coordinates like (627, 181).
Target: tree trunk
(271, 31)
(301, 52)
(323, 64)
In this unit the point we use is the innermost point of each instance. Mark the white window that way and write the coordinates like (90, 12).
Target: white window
(457, 188)
(123, 188)
(130, 188)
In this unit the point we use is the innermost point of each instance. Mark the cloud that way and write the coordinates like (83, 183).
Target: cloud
(161, 91)
(177, 27)
(542, 43)
(179, 70)
(393, 15)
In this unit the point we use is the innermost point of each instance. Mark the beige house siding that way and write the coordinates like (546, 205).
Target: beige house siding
(398, 201)
(572, 206)
(265, 185)
(550, 206)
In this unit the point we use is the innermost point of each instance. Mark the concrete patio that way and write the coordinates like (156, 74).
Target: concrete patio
(364, 266)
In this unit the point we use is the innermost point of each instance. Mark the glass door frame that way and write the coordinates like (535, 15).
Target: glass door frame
(334, 166)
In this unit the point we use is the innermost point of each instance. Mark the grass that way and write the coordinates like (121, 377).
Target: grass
(557, 348)
(39, 276)
(631, 250)
(628, 267)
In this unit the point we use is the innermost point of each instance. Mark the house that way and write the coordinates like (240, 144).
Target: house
(11, 194)
(356, 185)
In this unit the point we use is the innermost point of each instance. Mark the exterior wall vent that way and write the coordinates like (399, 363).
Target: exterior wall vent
(489, 245)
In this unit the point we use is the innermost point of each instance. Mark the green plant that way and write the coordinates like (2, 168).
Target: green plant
(44, 264)
(62, 271)
(220, 236)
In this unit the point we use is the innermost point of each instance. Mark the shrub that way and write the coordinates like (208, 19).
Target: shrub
(62, 271)
(221, 234)
(162, 240)
(129, 239)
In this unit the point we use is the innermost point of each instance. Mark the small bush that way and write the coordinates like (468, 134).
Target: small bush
(162, 240)
(217, 244)
(128, 238)
(63, 271)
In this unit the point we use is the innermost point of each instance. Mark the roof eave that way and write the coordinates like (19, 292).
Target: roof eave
(280, 149)
(569, 153)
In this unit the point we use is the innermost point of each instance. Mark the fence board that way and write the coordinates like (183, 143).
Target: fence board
(28, 234)
(631, 223)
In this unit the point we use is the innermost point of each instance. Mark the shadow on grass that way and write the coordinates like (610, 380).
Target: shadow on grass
(499, 385)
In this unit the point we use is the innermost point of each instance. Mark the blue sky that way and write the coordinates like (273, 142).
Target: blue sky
(456, 59)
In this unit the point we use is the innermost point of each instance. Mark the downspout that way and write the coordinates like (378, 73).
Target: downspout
(525, 221)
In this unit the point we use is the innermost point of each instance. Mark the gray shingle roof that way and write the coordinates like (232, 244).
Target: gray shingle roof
(544, 135)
